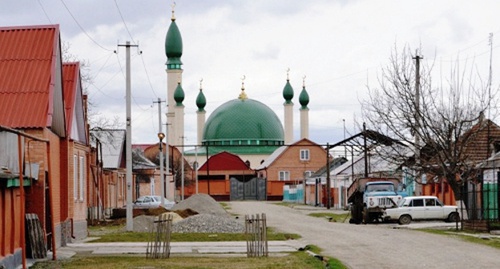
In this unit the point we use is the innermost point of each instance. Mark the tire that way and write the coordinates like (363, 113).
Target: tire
(453, 217)
(405, 220)
(366, 216)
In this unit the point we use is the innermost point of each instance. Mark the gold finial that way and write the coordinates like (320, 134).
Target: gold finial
(201, 80)
(288, 74)
(243, 95)
(173, 11)
(304, 81)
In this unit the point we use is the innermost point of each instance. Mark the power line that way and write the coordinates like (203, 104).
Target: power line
(131, 37)
(43, 9)
(123, 20)
(147, 76)
(81, 28)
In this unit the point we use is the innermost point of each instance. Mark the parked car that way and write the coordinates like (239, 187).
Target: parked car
(152, 201)
(421, 208)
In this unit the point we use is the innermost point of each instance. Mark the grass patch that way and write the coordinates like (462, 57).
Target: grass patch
(472, 236)
(331, 262)
(116, 233)
(332, 217)
(296, 260)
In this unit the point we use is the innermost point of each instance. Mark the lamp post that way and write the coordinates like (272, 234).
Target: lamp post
(162, 178)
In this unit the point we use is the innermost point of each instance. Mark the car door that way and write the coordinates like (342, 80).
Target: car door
(433, 209)
(417, 208)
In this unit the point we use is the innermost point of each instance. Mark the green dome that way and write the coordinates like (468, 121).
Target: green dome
(288, 92)
(173, 46)
(243, 122)
(304, 98)
(179, 94)
(201, 102)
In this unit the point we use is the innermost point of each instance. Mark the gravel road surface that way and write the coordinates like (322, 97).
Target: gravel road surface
(373, 246)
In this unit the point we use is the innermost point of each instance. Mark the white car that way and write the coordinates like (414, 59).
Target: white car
(152, 201)
(421, 208)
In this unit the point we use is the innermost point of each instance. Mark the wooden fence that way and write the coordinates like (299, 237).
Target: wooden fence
(159, 244)
(256, 234)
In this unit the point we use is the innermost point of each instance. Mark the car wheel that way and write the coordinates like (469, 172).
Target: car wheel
(405, 219)
(453, 217)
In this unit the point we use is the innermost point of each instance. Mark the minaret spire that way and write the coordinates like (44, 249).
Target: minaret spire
(304, 110)
(173, 11)
(243, 95)
(288, 107)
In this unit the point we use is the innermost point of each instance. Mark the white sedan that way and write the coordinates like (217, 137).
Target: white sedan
(421, 208)
(152, 201)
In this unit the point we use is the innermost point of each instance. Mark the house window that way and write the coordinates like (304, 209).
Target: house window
(308, 174)
(304, 155)
(284, 175)
(75, 177)
(82, 178)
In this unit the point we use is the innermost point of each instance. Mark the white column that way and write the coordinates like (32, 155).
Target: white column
(304, 123)
(288, 123)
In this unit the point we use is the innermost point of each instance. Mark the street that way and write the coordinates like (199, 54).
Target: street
(373, 246)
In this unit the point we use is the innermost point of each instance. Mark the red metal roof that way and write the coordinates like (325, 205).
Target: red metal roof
(70, 78)
(27, 67)
(225, 161)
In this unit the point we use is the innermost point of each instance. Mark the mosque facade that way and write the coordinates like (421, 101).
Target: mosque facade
(243, 126)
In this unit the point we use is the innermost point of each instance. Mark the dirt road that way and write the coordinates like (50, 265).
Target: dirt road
(373, 246)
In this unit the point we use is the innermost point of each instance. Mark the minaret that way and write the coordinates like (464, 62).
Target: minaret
(173, 50)
(304, 111)
(201, 102)
(288, 107)
(179, 116)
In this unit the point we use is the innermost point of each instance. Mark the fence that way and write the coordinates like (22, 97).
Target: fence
(159, 244)
(256, 234)
(482, 210)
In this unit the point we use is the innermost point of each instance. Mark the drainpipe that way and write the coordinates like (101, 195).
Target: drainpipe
(21, 189)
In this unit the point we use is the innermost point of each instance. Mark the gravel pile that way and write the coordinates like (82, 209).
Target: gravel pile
(211, 217)
(208, 223)
(201, 203)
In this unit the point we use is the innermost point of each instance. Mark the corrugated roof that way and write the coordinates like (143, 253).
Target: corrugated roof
(113, 146)
(27, 75)
(70, 77)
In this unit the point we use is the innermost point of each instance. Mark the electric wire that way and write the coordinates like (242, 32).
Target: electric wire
(81, 28)
(132, 38)
(43, 9)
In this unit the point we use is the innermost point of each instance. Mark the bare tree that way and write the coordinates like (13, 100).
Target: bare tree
(436, 123)
(96, 119)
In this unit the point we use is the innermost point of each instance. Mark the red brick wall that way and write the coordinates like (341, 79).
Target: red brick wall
(10, 221)
(290, 161)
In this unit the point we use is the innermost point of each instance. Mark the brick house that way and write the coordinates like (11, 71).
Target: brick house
(37, 99)
(291, 165)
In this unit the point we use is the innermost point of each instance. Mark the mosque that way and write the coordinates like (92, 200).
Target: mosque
(243, 128)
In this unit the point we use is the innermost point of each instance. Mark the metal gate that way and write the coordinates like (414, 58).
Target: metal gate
(247, 189)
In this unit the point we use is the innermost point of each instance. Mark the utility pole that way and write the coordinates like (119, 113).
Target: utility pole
(490, 42)
(128, 148)
(328, 183)
(168, 162)
(161, 135)
(182, 168)
(417, 59)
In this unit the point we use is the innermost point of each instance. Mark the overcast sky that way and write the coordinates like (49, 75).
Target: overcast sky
(339, 46)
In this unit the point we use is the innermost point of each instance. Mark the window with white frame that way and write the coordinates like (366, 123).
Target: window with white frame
(304, 155)
(284, 175)
(75, 177)
(82, 178)
(308, 174)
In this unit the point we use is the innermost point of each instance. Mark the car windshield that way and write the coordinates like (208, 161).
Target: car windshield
(403, 202)
(380, 187)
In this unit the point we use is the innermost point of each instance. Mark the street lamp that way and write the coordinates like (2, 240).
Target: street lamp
(162, 178)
